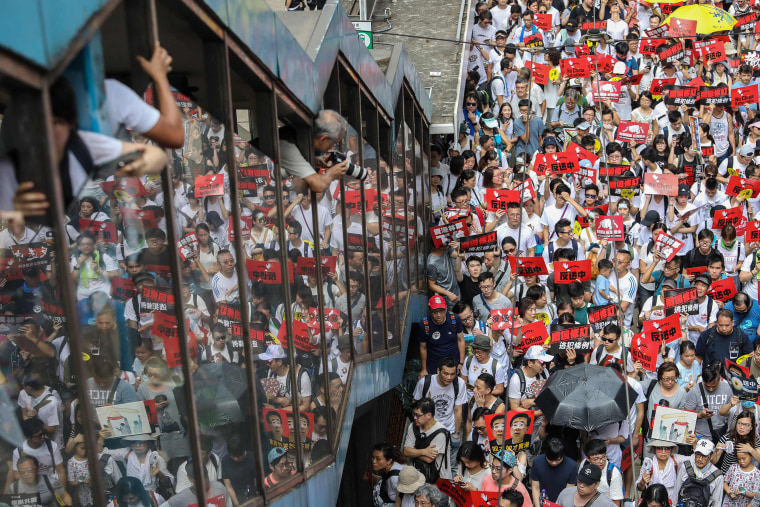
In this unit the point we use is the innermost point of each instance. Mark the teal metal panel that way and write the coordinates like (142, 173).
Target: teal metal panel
(21, 31)
(370, 381)
(86, 74)
(62, 20)
(295, 68)
(254, 23)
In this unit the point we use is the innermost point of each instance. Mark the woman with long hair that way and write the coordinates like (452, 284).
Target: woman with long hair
(645, 114)
(655, 495)
(472, 466)
(743, 436)
(131, 493)
(207, 253)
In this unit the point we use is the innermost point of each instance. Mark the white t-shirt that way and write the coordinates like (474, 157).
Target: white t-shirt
(126, 108)
(444, 399)
(750, 287)
(617, 29)
(627, 291)
(552, 215)
(514, 385)
(48, 410)
(527, 238)
(304, 217)
(702, 319)
(476, 369)
(47, 461)
(221, 285)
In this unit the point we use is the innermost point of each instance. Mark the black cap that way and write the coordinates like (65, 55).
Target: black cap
(590, 474)
(572, 23)
(214, 219)
(510, 48)
(702, 278)
(683, 189)
(650, 218)
(501, 33)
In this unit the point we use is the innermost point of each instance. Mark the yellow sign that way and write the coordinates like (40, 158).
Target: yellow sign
(745, 194)
(554, 74)
(577, 229)
(597, 145)
(732, 171)
(85, 356)
(627, 193)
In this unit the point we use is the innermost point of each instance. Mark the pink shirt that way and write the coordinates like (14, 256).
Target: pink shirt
(488, 484)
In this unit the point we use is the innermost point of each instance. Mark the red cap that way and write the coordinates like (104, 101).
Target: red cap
(437, 302)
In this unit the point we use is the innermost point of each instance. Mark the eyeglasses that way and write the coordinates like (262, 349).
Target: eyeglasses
(598, 457)
(743, 424)
(229, 261)
(41, 434)
(590, 196)
(269, 197)
(564, 232)
(486, 287)
(219, 338)
(417, 416)
(461, 202)
(668, 379)
(292, 233)
(479, 428)
(283, 465)
(510, 251)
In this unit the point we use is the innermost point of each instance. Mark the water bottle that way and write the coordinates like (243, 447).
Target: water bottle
(542, 498)
(248, 492)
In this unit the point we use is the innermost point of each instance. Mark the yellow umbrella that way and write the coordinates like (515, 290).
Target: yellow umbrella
(709, 19)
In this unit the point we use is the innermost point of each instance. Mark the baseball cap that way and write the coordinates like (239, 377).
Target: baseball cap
(214, 219)
(575, 82)
(436, 302)
(702, 278)
(704, 447)
(481, 342)
(440, 171)
(620, 68)
(507, 457)
(683, 189)
(747, 150)
(590, 474)
(537, 353)
(501, 33)
(549, 141)
(143, 276)
(273, 352)
(755, 123)
(584, 125)
(275, 454)
(344, 342)
(572, 24)
(650, 218)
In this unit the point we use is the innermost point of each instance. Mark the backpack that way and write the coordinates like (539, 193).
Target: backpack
(521, 376)
(696, 492)
(492, 100)
(108, 484)
(426, 323)
(383, 489)
(426, 387)
(574, 245)
(600, 353)
(468, 363)
(431, 472)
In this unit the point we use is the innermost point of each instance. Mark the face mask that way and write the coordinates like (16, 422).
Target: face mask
(748, 405)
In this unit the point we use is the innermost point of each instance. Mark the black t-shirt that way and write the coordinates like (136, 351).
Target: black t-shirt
(469, 289)
(591, 15)
(240, 474)
(554, 479)
(699, 259)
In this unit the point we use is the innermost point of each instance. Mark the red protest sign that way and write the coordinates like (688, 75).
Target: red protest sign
(601, 316)
(696, 271)
(714, 95)
(540, 71)
(331, 318)
(503, 318)
(731, 216)
(606, 90)
(752, 232)
(444, 234)
(722, 290)
(649, 46)
(582, 153)
(644, 350)
(188, 245)
(672, 53)
(658, 84)
(132, 217)
(529, 266)
(611, 228)
(497, 199)
(528, 192)
(173, 354)
(103, 231)
(164, 325)
(246, 223)
(667, 245)
(212, 184)
(632, 131)
(744, 95)
(575, 68)
(713, 50)
(534, 333)
(682, 27)
(560, 163)
(269, 272)
(632, 80)
(545, 22)
(461, 497)
(667, 329)
(307, 266)
(661, 184)
(124, 188)
(572, 271)
(122, 288)
(566, 337)
(478, 243)
(534, 41)
(737, 184)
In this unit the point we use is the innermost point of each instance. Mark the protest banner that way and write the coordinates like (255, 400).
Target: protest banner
(731, 216)
(681, 301)
(600, 316)
(631, 131)
(570, 271)
(565, 337)
(667, 246)
(478, 243)
(453, 231)
(644, 350)
(502, 318)
(661, 184)
(610, 228)
(667, 329)
(532, 334)
(511, 431)
(212, 184)
(529, 266)
(722, 290)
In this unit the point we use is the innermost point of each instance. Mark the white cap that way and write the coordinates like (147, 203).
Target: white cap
(705, 447)
(620, 68)
(438, 171)
(537, 352)
(747, 150)
(273, 352)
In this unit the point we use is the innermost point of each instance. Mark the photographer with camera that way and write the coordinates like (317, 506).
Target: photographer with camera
(329, 130)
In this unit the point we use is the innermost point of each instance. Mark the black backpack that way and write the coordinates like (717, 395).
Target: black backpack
(431, 472)
(696, 492)
(108, 484)
(384, 488)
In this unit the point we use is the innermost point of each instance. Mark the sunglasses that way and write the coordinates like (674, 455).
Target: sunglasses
(472, 104)
(607, 340)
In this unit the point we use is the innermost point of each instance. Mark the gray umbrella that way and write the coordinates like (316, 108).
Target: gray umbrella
(585, 397)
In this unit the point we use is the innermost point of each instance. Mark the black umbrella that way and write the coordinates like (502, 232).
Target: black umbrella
(585, 397)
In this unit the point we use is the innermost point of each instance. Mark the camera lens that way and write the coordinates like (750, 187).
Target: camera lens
(356, 171)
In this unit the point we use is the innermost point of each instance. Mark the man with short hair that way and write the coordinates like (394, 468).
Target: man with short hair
(449, 394)
(626, 285)
(724, 341)
(469, 287)
(481, 362)
(444, 271)
(563, 233)
(511, 498)
(585, 491)
(707, 315)
(224, 285)
(488, 299)
(560, 292)
(568, 112)
(552, 471)
(746, 314)
(38, 445)
(671, 270)
(565, 207)
(599, 452)
(708, 398)
(329, 131)
(610, 350)
(425, 426)
(512, 228)
(521, 395)
(527, 128)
